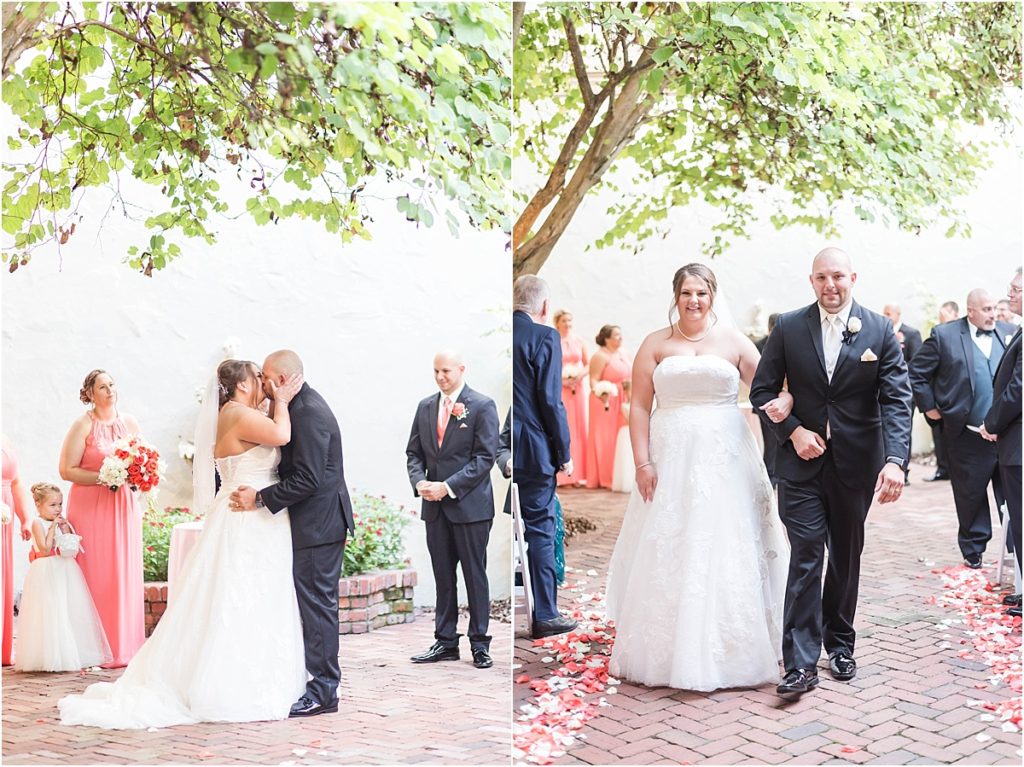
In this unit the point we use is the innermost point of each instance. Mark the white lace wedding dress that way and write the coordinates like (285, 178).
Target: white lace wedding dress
(698, 576)
(229, 647)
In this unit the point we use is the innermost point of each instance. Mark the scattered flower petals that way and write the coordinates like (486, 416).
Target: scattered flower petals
(205, 754)
(849, 749)
(299, 751)
(982, 737)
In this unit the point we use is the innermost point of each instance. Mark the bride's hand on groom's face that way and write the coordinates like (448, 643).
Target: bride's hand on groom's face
(285, 392)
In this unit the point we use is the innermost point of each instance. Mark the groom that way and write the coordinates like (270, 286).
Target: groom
(313, 489)
(847, 438)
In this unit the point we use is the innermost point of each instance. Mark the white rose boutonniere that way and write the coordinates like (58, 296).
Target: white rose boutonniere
(853, 326)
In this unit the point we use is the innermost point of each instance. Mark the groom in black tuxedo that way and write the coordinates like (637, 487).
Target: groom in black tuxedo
(452, 447)
(313, 489)
(847, 438)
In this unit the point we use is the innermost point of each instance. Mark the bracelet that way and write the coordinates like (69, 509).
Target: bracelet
(643, 465)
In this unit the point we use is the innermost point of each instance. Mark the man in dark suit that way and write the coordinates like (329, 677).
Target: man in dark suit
(847, 438)
(910, 342)
(451, 450)
(313, 489)
(1003, 424)
(948, 312)
(952, 380)
(540, 439)
(771, 445)
(504, 458)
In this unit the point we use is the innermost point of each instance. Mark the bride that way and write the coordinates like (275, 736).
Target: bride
(698, 575)
(229, 646)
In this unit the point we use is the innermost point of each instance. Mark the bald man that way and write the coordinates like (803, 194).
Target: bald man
(452, 447)
(847, 438)
(313, 489)
(952, 380)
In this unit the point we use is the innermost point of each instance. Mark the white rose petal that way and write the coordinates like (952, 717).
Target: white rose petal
(982, 737)
(299, 751)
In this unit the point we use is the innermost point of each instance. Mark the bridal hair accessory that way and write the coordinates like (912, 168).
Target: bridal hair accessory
(222, 389)
(853, 326)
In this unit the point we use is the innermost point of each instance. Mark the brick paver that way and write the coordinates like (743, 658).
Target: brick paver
(907, 705)
(391, 711)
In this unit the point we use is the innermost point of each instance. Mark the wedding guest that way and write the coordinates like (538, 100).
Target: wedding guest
(540, 439)
(771, 444)
(1005, 313)
(910, 342)
(15, 504)
(1003, 424)
(58, 626)
(110, 521)
(503, 460)
(609, 367)
(575, 360)
(452, 448)
(949, 311)
(951, 376)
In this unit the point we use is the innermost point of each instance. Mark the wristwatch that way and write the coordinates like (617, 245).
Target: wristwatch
(259, 500)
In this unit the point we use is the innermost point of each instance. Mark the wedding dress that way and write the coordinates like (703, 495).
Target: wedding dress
(698, 576)
(229, 647)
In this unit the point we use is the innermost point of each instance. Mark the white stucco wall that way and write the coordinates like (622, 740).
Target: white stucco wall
(366, 319)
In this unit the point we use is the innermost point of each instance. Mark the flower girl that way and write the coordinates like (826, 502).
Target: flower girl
(58, 628)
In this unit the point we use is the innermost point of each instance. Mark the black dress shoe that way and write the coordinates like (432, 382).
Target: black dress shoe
(797, 682)
(306, 706)
(437, 652)
(1014, 611)
(937, 476)
(559, 625)
(843, 666)
(973, 562)
(482, 659)
(1012, 600)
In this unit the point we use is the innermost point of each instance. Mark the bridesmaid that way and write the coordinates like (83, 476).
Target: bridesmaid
(610, 364)
(111, 522)
(574, 397)
(15, 498)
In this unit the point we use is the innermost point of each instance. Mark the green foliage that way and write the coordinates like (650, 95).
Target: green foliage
(377, 541)
(157, 525)
(876, 103)
(305, 102)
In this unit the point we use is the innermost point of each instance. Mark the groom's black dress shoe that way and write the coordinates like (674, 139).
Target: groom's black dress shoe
(436, 653)
(797, 682)
(973, 562)
(843, 666)
(1014, 611)
(482, 659)
(1012, 600)
(308, 707)
(559, 625)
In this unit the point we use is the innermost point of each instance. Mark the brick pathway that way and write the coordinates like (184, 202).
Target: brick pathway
(391, 712)
(907, 705)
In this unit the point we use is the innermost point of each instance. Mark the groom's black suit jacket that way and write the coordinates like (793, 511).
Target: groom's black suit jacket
(867, 403)
(312, 473)
(463, 460)
(1004, 419)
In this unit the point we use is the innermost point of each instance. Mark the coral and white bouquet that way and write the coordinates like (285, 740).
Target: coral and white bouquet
(134, 463)
(605, 389)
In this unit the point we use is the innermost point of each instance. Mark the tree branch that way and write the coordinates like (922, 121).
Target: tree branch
(577, 60)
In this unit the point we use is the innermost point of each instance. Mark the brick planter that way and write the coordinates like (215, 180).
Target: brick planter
(365, 602)
(371, 600)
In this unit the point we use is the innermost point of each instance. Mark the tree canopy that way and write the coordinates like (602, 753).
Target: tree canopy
(815, 103)
(306, 102)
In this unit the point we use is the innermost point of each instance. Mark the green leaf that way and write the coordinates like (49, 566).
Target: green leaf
(661, 55)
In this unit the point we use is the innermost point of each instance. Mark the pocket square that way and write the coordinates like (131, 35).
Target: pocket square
(463, 426)
(868, 356)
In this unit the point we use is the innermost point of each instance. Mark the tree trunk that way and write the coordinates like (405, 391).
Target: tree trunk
(616, 131)
(518, 11)
(20, 21)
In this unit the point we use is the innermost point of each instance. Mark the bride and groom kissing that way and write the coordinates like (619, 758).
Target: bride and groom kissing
(704, 589)
(251, 628)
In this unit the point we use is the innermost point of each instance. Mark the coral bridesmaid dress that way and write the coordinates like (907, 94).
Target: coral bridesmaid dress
(10, 471)
(574, 397)
(605, 424)
(111, 525)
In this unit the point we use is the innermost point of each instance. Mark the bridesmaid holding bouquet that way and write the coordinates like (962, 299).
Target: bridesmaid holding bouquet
(609, 368)
(575, 360)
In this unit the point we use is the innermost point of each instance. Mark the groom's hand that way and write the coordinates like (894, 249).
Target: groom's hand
(432, 491)
(808, 444)
(243, 499)
(890, 483)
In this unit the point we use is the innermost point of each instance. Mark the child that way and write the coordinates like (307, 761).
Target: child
(58, 627)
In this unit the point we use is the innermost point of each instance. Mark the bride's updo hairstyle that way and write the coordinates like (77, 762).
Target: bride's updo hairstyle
(699, 271)
(230, 373)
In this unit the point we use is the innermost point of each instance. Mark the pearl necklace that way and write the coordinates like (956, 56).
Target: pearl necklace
(701, 338)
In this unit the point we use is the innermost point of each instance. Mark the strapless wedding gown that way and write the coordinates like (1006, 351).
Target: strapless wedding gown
(229, 647)
(698, 576)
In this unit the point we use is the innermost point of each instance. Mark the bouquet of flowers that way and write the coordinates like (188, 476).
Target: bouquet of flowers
(134, 463)
(5, 513)
(604, 390)
(571, 375)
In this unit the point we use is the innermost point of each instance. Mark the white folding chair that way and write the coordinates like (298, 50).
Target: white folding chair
(1004, 550)
(521, 562)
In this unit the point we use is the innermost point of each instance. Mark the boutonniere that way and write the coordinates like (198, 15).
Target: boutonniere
(853, 327)
(459, 411)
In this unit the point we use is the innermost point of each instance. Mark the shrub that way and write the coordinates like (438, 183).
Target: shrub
(157, 525)
(377, 542)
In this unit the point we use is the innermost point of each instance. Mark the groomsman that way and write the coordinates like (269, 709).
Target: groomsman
(540, 439)
(910, 342)
(1003, 424)
(771, 445)
(951, 377)
(948, 312)
(451, 450)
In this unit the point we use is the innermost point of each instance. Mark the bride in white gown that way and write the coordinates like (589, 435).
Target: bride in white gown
(229, 647)
(698, 575)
